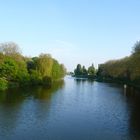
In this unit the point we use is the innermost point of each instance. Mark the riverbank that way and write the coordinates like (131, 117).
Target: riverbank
(85, 76)
(48, 82)
(118, 81)
(110, 80)
(17, 70)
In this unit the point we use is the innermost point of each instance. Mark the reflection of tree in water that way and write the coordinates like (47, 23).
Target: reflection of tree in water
(79, 81)
(45, 93)
(83, 80)
(17, 95)
(43, 98)
(134, 115)
(10, 106)
(14, 103)
(91, 81)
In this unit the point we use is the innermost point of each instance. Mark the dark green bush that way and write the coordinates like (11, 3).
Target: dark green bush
(3, 84)
(47, 81)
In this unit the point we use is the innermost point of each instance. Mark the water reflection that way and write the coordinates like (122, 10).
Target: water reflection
(75, 109)
(133, 99)
(17, 95)
(83, 80)
(135, 119)
(131, 91)
(20, 107)
(80, 80)
(43, 93)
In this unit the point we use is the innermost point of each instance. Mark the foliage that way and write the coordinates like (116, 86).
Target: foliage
(8, 69)
(62, 71)
(91, 70)
(47, 81)
(78, 70)
(9, 48)
(126, 69)
(55, 70)
(136, 48)
(44, 65)
(3, 83)
(35, 77)
(15, 69)
(82, 71)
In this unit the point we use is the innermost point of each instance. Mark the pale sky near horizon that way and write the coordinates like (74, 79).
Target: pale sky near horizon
(72, 31)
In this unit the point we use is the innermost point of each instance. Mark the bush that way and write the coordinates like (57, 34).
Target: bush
(3, 84)
(47, 81)
(35, 78)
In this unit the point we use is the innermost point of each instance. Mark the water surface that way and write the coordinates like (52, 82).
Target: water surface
(73, 109)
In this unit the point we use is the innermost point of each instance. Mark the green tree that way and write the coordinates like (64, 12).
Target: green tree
(44, 65)
(91, 70)
(15, 69)
(62, 71)
(8, 69)
(35, 77)
(3, 84)
(9, 48)
(125, 69)
(55, 69)
(84, 71)
(136, 48)
(78, 70)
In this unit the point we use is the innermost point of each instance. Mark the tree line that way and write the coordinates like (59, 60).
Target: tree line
(81, 71)
(18, 70)
(126, 69)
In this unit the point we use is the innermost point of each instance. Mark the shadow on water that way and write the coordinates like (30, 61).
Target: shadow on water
(17, 95)
(25, 105)
(76, 108)
(133, 99)
(83, 80)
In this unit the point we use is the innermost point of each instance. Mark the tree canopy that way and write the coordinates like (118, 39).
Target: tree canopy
(15, 69)
(82, 71)
(127, 68)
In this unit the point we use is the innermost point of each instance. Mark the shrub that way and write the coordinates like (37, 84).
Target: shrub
(35, 78)
(47, 81)
(3, 84)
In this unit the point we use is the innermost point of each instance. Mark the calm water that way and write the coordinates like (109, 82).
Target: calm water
(70, 110)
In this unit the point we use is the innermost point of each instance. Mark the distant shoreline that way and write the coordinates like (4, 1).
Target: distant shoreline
(109, 80)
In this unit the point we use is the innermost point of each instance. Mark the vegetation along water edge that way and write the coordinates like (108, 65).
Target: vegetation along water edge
(18, 70)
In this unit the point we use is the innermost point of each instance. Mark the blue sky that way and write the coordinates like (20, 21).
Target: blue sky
(73, 31)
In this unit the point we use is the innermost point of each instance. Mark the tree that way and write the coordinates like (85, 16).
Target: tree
(62, 71)
(136, 48)
(44, 65)
(125, 69)
(8, 69)
(84, 71)
(78, 70)
(55, 69)
(31, 64)
(91, 70)
(22, 73)
(3, 84)
(35, 77)
(9, 48)
(17, 70)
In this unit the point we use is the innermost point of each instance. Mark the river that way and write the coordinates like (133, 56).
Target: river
(73, 109)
